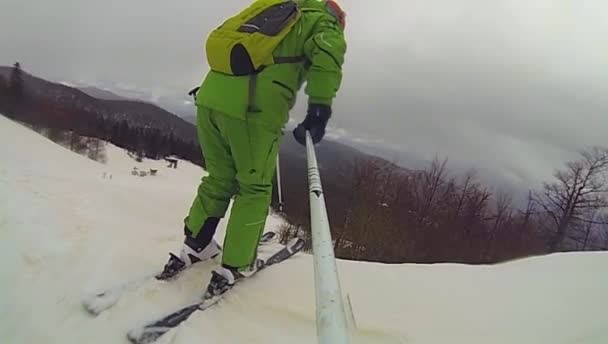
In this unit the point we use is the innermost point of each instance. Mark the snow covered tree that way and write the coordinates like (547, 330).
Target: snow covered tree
(579, 192)
(96, 149)
(57, 135)
(77, 143)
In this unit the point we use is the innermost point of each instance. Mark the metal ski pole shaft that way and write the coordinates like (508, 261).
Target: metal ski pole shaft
(332, 327)
(279, 185)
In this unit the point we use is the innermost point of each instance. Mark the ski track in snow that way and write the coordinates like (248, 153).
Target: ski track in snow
(66, 232)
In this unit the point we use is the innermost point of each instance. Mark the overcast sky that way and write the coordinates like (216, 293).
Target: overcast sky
(514, 88)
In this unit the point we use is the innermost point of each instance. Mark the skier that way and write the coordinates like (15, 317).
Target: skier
(240, 116)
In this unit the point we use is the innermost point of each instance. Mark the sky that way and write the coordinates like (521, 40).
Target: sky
(513, 88)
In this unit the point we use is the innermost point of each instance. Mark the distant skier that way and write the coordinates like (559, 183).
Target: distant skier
(259, 60)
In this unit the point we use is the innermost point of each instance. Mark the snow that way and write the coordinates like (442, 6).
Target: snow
(67, 232)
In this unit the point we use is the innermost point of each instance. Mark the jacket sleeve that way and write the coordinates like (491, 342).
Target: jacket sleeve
(325, 50)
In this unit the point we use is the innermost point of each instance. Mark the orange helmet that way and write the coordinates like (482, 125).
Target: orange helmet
(336, 11)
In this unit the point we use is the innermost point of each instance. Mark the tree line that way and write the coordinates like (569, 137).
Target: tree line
(91, 147)
(388, 214)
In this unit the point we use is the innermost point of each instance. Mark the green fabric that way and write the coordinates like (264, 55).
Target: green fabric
(240, 146)
(240, 156)
(317, 36)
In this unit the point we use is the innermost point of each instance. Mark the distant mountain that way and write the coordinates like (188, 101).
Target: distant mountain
(101, 94)
(402, 158)
(66, 105)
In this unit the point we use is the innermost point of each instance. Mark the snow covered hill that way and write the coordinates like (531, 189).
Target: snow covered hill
(66, 232)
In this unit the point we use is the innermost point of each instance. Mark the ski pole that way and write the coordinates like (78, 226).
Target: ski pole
(279, 186)
(332, 327)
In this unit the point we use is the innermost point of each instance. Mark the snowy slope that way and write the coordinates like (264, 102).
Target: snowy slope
(66, 232)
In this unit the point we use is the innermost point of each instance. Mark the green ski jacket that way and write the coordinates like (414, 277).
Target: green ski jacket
(318, 39)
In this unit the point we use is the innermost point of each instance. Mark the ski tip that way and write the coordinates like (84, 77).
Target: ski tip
(297, 244)
(93, 309)
(132, 338)
(90, 310)
(147, 334)
(268, 236)
(153, 331)
(138, 337)
(95, 305)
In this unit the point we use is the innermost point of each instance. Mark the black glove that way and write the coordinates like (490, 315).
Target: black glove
(316, 120)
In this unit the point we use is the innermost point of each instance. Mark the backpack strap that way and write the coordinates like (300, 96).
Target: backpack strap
(253, 81)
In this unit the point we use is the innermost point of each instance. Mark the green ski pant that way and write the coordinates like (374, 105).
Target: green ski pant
(240, 157)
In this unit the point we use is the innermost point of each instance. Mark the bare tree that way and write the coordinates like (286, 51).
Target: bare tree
(503, 210)
(530, 209)
(428, 190)
(371, 193)
(587, 229)
(468, 185)
(580, 189)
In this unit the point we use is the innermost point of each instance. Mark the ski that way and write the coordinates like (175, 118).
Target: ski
(149, 333)
(100, 302)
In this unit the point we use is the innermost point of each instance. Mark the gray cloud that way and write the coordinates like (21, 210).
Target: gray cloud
(511, 87)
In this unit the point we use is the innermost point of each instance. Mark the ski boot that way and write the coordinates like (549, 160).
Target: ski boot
(194, 250)
(224, 278)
